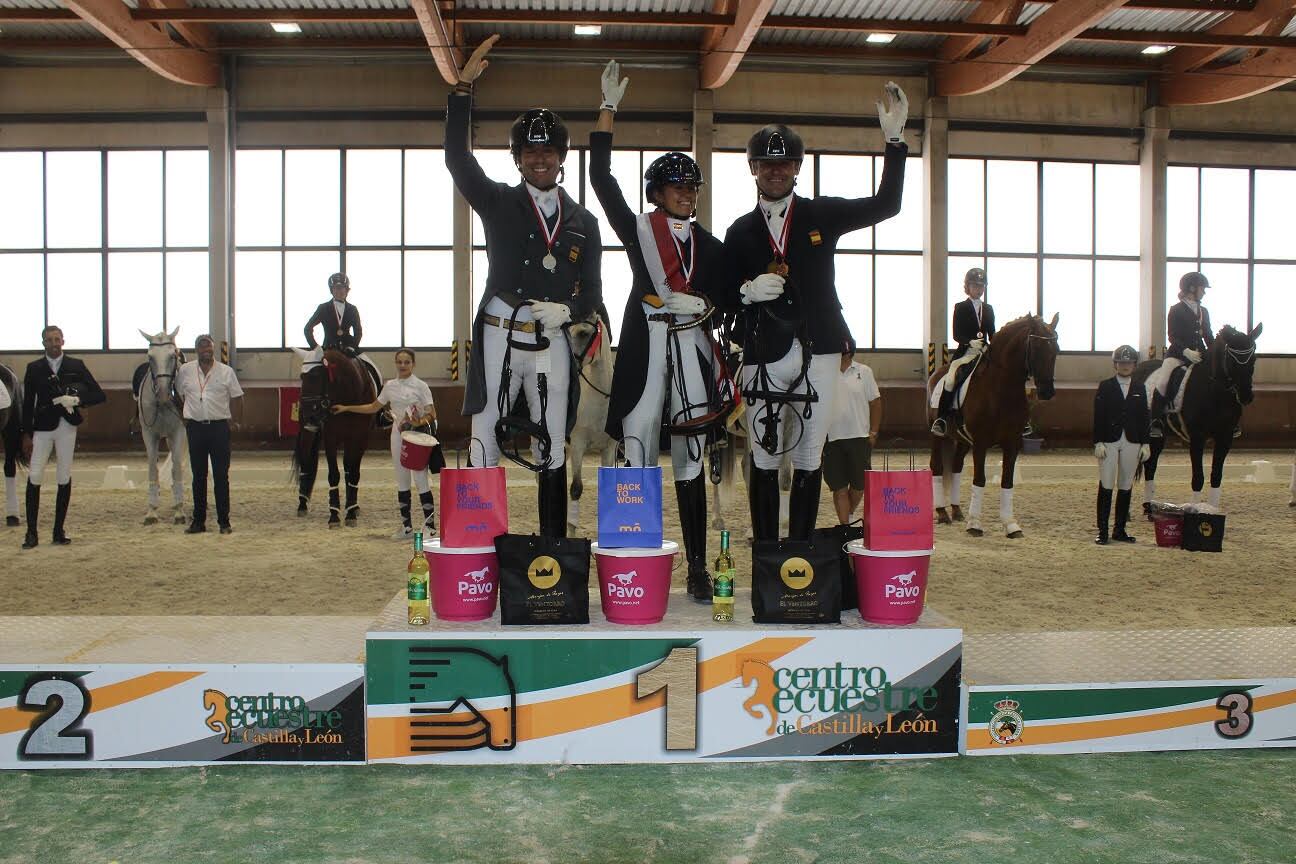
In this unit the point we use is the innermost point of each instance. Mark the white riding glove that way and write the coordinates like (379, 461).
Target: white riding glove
(1192, 355)
(893, 111)
(1100, 450)
(685, 304)
(613, 89)
(1145, 452)
(67, 403)
(550, 315)
(765, 287)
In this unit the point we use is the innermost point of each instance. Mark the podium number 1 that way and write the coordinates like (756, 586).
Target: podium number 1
(55, 735)
(677, 674)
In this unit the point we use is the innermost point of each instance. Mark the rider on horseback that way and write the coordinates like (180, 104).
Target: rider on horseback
(1120, 441)
(342, 330)
(1189, 329)
(974, 326)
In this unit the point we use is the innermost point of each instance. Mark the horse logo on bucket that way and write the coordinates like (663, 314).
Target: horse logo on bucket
(622, 586)
(1006, 724)
(796, 573)
(544, 572)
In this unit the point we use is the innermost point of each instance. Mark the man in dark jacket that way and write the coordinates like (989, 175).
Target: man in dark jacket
(974, 327)
(789, 318)
(55, 389)
(1120, 438)
(544, 252)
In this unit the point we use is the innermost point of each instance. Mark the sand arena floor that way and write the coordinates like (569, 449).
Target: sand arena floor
(278, 564)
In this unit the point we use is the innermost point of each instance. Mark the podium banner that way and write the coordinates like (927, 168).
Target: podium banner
(605, 697)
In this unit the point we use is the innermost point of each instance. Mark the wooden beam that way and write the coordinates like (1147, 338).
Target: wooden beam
(1237, 24)
(719, 63)
(712, 37)
(1229, 83)
(157, 51)
(987, 12)
(1058, 25)
(449, 59)
(197, 35)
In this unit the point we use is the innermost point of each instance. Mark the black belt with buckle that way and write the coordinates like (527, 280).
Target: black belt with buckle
(660, 316)
(208, 422)
(517, 326)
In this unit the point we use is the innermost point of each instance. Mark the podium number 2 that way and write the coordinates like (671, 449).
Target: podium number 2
(55, 735)
(677, 674)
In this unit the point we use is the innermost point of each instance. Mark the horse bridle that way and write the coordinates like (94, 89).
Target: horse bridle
(1240, 357)
(154, 375)
(590, 351)
(1030, 367)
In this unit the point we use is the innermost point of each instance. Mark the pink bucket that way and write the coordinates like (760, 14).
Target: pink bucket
(634, 584)
(892, 585)
(416, 450)
(1169, 531)
(465, 582)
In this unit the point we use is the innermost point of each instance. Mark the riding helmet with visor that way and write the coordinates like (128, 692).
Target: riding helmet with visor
(671, 168)
(1125, 354)
(538, 126)
(339, 280)
(775, 143)
(1190, 282)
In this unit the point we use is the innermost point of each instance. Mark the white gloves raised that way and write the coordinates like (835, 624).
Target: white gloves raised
(1145, 452)
(765, 287)
(1193, 355)
(614, 86)
(67, 403)
(1100, 450)
(550, 315)
(685, 304)
(893, 111)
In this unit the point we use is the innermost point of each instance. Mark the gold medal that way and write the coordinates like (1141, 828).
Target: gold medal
(550, 262)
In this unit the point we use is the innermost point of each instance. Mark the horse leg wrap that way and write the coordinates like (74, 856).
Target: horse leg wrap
(974, 508)
(1213, 497)
(352, 494)
(1149, 490)
(335, 500)
(1006, 511)
(11, 496)
(938, 491)
(956, 494)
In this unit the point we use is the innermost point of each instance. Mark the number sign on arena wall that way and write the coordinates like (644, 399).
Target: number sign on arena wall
(1131, 717)
(668, 697)
(149, 716)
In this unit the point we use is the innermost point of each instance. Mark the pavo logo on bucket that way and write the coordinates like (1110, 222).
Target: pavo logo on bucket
(278, 719)
(622, 586)
(476, 583)
(544, 572)
(796, 573)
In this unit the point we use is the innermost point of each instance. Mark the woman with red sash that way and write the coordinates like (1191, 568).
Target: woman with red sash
(678, 268)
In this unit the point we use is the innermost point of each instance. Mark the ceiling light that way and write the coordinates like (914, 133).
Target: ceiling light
(279, 27)
(588, 30)
(1157, 49)
(880, 38)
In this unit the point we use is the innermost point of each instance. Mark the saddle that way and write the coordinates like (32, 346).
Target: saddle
(1175, 386)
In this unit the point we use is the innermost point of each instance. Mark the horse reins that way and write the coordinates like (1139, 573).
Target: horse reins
(765, 391)
(506, 425)
(153, 382)
(590, 352)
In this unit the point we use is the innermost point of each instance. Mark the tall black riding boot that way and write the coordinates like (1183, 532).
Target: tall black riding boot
(33, 515)
(553, 502)
(1156, 416)
(1104, 511)
(429, 514)
(763, 501)
(803, 504)
(692, 513)
(61, 501)
(1122, 516)
(403, 498)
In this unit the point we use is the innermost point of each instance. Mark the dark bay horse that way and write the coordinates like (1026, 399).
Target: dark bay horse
(339, 380)
(11, 435)
(994, 413)
(1213, 400)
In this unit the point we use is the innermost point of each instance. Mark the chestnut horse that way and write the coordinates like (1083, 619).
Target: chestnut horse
(994, 413)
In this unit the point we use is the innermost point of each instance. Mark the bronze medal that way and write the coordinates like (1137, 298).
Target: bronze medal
(779, 268)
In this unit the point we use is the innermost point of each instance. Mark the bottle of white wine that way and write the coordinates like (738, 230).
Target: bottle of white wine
(722, 584)
(416, 590)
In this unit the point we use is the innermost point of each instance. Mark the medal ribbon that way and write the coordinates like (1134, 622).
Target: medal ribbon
(779, 245)
(549, 236)
(679, 277)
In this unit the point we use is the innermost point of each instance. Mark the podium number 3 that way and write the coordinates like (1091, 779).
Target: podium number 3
(677, 674)
(55, 735)
(1237, 714)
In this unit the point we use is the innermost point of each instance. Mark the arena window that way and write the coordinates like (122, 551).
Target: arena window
(103, 242)
(1232, 224)
(1054, 237)
(384, 216)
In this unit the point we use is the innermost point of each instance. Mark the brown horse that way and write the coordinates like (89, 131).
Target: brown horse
(339, 380)
(994, 413)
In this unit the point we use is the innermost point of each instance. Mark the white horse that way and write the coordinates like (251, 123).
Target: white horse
(591, 343)
(159, 417)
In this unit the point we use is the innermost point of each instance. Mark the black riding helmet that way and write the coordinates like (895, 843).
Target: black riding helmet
(339, 280)
(1125, 354)
(1192, 281)
(775, 143)
(671, 168)
(538, 126)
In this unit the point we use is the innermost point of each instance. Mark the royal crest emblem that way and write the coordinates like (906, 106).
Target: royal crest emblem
(1006, 724)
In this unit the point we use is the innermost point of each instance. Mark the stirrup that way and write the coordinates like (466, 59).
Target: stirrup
(940, 428)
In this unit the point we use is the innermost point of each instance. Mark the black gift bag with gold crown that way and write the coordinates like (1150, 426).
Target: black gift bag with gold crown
(796, 582)
(543, 580)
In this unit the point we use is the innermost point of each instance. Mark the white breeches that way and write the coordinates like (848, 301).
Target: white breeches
(1157, 381)
(403, 474)
(1119, 464)
(641, 426)
(947, 380)
(807, 455)
(526, 365)
(62, 441)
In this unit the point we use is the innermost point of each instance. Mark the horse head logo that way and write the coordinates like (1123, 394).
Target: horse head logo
(218, 720)
(796, 573)
(544, 572)
(762, 674)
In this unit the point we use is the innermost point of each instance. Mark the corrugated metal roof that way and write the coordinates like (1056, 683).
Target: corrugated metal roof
(51, 31)
(904, 10)
(591, 5)
(30, 4)
(300, 4)
(846, 39)
(1159, 19)
(340, 30)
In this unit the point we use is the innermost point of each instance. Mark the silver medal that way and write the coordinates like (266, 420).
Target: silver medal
(550, 262)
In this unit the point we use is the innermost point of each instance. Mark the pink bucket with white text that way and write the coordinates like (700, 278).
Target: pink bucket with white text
(465, 581)
(634, 584)
(892, 584)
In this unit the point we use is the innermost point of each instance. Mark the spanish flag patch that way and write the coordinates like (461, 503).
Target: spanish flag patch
(816, 239)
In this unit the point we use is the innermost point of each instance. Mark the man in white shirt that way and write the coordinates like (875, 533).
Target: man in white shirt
(211, 394)
(857, 416)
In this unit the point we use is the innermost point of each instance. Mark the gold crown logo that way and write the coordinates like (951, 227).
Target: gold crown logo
(544, 572)
(796, 573)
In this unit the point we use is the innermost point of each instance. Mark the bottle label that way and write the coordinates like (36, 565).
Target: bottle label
(723, 584)
(417, 590)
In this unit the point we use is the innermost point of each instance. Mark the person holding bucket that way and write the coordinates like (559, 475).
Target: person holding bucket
(411, 404)
(1120, 434)
(544, 254)
(679, 271)
(856, 420)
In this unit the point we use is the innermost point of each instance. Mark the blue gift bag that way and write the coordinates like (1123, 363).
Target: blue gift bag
(629, 507)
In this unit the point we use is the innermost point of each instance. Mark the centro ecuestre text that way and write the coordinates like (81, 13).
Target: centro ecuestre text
(282, 712)
(839, 688)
